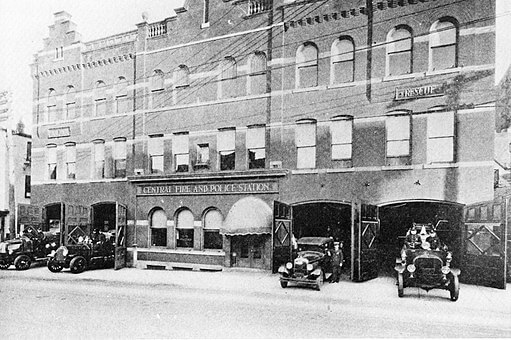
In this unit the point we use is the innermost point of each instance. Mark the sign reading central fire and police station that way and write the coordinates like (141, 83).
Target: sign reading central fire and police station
(208, 188)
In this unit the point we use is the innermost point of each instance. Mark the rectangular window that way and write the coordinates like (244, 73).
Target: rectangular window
(99, 160)
(205, 17)
(51, 113)
(226, 144)
(202, 153)
(100, 107)
(27, 186)
(121, 104)
(305, 140)
(70, 161)
(440, 137)
(398, 136)
(120, 159)
(70, 110)
(155, 150)
(256, 147)
(52, 162)
(181, 152)
(342, 136)
(159, 237)
(29, 152)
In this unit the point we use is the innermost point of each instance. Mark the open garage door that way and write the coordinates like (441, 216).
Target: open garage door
(120, 236)
(29, 215)
(76, 223)
(365, 231)
(282, 233)
(485, 242)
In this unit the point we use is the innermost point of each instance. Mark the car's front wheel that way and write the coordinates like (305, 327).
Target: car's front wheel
(283, 284)
(53, 266)
(400, 285)
(455, 288)
(4, 264)
(77, 265)
(22, 262)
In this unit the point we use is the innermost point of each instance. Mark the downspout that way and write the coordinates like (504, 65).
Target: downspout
(369, 10)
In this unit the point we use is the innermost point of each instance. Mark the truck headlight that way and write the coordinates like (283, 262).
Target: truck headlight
(446, 270)
(289, 265)
(411, 268)
(310, 267)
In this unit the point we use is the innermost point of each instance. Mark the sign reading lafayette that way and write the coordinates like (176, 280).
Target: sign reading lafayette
(419, 92)
(208, 189)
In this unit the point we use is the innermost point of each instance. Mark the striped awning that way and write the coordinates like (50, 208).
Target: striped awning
(250, 215)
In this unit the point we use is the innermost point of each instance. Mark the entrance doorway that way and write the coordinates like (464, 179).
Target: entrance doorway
(248, 251)
(103, 217)
(53, 217)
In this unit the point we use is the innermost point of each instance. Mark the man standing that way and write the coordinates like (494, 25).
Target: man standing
(336, 260)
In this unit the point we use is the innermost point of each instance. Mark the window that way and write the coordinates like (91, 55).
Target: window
(212, 223)
(181, 152)
(70, 161)
(120, 158)
(99, 159)
(398, 136)
(70, 103)
(205, 13)
(440, 137)
(184, 229)
(51, 107)
(341, 130)
(257, 73)
(343, 61)
(59, 52)
(29, 152)
(202, 156)
(307, 66)
(258, 6)
(443, 49)
(226, 145)
(181, 84)
(158, 228)
(305, 140)
(256, 147)
(157, 82)
(121, 96)
(27, 186)
(228, 74)
(155, 150)
(399, 51)
(52, 161)
(100, 99)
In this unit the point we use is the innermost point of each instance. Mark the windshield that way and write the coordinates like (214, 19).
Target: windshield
(310, 247)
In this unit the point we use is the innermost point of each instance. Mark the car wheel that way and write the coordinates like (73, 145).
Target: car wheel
(400, 285)
(319, 281)
(78, 265)
(455, 288)
(4, 264)
(283, 284)
(53, 266)
(22, 262)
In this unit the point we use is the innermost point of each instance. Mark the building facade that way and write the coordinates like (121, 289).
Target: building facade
(230, 127)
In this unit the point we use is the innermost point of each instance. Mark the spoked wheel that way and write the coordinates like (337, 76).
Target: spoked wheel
(455, 288)
(4, 264)
(400, 285)
(283, 284)
(319, 281)
(22, 262)
(53, 266)
(78, 264)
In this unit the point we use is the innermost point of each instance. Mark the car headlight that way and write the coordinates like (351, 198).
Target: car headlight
(289, 265)
(310, 267)
(446, 270)
(411, 268)
(47, 246)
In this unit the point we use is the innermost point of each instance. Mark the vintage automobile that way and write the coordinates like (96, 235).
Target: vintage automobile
(32, 246)
(88, 253)
(311, 263)
(425, 262)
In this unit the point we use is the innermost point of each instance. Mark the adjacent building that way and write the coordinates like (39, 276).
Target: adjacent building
(215, 135)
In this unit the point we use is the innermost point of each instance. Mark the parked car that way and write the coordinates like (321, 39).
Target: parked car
(425, 262)
(33, 245)
(88, 253)
(311, 263)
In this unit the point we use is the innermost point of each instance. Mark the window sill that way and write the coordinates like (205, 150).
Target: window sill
(204, 25)
(396, 167)
(183, 251)
(341, 85)
(310, 89)
(440, 165)
(98, 118)
(304, 171)
(445, 71)
(403, 76)
(339, 170)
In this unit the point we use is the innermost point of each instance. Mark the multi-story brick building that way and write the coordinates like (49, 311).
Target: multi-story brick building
(363, 116)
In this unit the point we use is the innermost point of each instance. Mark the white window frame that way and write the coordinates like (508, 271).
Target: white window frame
(256, 142)
(70, 161)
(155, 151)
(226, 144)
(436, 34)
(98, 170)
(51, 161)
(341, 131)
(181, 150)
(120, 155)
(441, 137)
(398, 135)
(305, 141)
(339, 54)
(395, 47)
(303, 63)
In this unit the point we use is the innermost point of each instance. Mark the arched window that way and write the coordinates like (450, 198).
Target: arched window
(443, 45)
(399, 51)
(51, 106)
(228, 68)
(343, 61)
(121, 95)
(100, 99)
(158, 226)
(228, 74)
(212, 222)
(70, 103)
(307, 66)
(184, 229)
(257, 73)
(157, 86)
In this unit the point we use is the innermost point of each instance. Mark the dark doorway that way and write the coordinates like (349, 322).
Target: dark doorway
(395, 219)
(53, 217)
(103, 217)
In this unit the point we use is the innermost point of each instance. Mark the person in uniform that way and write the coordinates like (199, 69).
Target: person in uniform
(336, 260)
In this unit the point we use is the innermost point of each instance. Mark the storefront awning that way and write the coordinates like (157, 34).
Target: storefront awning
(249, 215)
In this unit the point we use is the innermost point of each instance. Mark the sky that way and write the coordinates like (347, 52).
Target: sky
(24, 25)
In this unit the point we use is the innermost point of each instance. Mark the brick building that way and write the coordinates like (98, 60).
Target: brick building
(222, 130)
